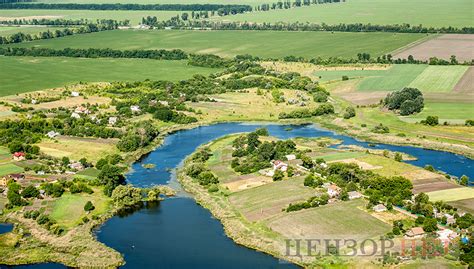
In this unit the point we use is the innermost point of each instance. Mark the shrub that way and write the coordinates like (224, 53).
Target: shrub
(380, 129)
(89, 206)
(345, 78)
(349, 112)
(430, 120)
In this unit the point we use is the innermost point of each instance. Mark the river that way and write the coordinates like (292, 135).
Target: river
(178, 233)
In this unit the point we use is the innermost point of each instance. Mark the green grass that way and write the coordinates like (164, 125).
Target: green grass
(340, 156)
(451, 112)
(439, 78)
(457, 13)
(452, 194)
(249, 2)
(10, 30)
(231, 43)
(395, 78)
(331, 75)
(68, 210)
(23, 74)
(340, 220)
(135, 16)
(9, 168)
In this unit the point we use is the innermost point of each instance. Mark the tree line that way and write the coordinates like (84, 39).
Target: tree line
(220, 8)
(62, 22)
(19, 37)
(296, 3)
(176, 22)
(15, 1)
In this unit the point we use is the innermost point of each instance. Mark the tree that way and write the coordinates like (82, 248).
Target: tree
(278, 175)
(184, 16)
(30, 192)
(111, 176)
(431, 120)
(398, 157)
(407, 101)
(65, 161)
(464, 180)
(430, 225)
(307, 161)
(89, 206)
(349, 113)
(126, 195)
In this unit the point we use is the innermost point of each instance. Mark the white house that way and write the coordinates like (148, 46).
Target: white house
(52, 134)
(450, 219)
(75, 115)
(279, 165)
(354, 195)
(164, 103)
(135, 109)
(75, 94)
(333, 190)
(33, 101)
(81, 110)
(112, 120)
(379, 208)
(290, 157)
(76, 165)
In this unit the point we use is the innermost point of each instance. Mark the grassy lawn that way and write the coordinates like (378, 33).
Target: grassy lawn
(76, 148)
(452, 194)
(439, 78)
(9, 168)
(457, 13)
(28, 73)
(231, 43)
(135, 16)
(340, 220)
(451, 112)
(69, 208)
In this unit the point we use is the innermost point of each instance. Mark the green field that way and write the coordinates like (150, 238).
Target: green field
(395, 78)
(446, 111)
(231, 43)
(457, 13)
(331, 75)
(439, 78)
(228, 2)
(135, 16)
(23, 74)
(9, 168)
(10, 30)
(452, 194)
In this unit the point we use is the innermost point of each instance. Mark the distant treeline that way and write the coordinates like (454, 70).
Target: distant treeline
(219, 8)
(104, 25)
(15, 1)
(176, 22)
(61, 22)
(296, 3)
(210, 60)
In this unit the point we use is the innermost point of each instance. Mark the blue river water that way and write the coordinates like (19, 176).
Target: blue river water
(178, 233)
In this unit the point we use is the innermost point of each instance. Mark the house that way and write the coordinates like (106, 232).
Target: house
(81, 110)
(76, 166)
(19, 156)
(354, 195)
(75, 115)
(323, 165)
(41, 173)
(290, 157)
(16, 177)
(112, 120)
(4, 181)
(379, 208)
(450, 219)
(446, 235)
(33, 101)
(75, 94)
(279, 165)
(416, 232)
(52, 134)
(135, 109)
(333, 190)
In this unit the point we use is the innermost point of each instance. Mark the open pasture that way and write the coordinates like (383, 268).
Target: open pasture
(460, 45)
(268, 200)
(457, 13)
(339, 220)
(24, 74)
(76, 148)
(451, 112)
(275, 44)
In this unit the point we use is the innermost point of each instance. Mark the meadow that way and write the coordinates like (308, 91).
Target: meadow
(457, 13)
(23, 74)
(10, 30)
(446, 111)
(452, 194)
(9, 168)
(135, 16)
(275, 44)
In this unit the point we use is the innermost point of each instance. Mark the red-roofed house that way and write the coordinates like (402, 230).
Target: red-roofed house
(19, 156)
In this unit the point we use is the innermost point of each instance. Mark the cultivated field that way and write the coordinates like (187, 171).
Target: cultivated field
(449, 195)
(340, 220)
(135, 16)
(28, 73)
(457, 13)
(10, 30)
(231, 43)
(465, 204)
(462, 46)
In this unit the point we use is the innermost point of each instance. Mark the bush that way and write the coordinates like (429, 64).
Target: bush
(345, 78)
(89, 206)
(430, 120)
(30, 192)
(349, 113)
(213, 188)
(380, 129)
(320, 97)
(469, 123)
